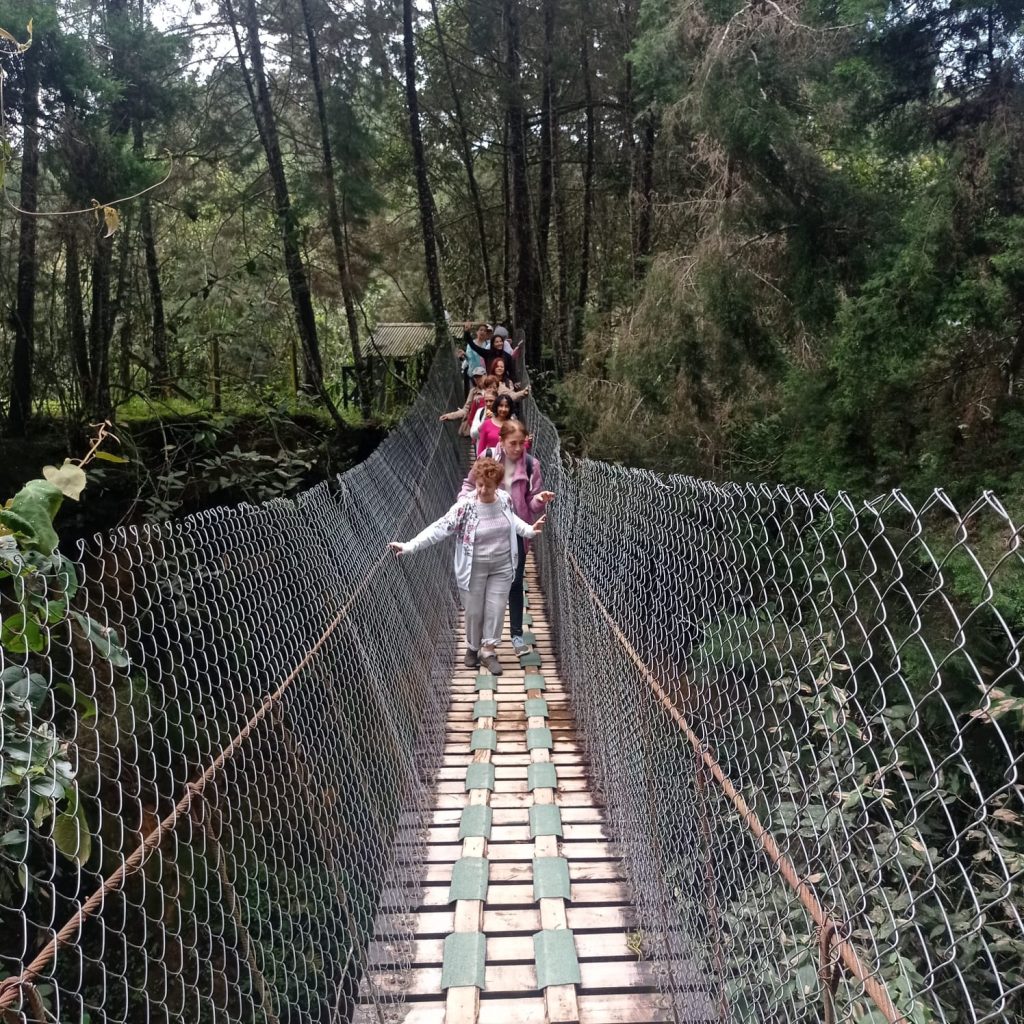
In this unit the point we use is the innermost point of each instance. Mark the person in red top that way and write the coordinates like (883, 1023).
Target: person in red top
(488, 434)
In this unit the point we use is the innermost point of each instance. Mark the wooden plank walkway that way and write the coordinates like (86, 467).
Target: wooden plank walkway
(614, 984)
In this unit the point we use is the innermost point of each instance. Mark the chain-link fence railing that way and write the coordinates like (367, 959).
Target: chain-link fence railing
(806, 716)
(216, 761)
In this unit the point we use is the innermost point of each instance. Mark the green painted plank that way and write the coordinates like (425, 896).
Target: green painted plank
(480, 776)
(545, 820)
(485, 681)
(533, 681)
(527, 619)
(529, 638)
(476, 821)
(550, 878)
(541, 776)
(536, 707)
(555, 953)
(526, 601)
(531, 660)
(469, 879)
(483, 739)
(463, 964)
(485, 709)
(536, 739)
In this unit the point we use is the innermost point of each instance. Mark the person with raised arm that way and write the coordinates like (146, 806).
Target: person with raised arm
(506, 385)
(521, 479)
(488, 546)
(483, 387)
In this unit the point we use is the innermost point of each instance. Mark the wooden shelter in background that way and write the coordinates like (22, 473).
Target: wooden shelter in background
(398, 357)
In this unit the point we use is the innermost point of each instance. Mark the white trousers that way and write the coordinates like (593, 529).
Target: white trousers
(484, 603)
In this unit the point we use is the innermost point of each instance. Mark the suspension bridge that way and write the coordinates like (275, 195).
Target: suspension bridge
(762, 764)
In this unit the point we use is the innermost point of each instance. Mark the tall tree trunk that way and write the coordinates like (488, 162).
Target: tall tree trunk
(547, 121)
(588, 198)
(100, 323)
(467, 161)
(529, 297)
(161, 357)
(334, 215)
(124, 354)
(506, 220)
(161, 376)
(419, 160)
(74, 317)
(266, 125)
(643, 194)
(627, 21)
(103, 308)
(121, 307)
(25, 301)
(563, 355)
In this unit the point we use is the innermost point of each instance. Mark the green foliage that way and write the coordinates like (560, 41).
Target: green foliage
(37, 587)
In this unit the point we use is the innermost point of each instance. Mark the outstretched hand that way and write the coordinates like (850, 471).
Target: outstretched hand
(397, 547)
(545, 496)
(539, 524)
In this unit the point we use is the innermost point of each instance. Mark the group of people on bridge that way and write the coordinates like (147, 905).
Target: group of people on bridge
(500, 507)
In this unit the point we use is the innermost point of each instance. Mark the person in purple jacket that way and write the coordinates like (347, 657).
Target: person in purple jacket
(522, 480)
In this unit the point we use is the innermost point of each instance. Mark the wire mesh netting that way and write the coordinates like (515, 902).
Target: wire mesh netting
(805, 714)
(216, 767)
(220, 737)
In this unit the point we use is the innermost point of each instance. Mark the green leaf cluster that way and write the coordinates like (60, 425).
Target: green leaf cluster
(38, 586)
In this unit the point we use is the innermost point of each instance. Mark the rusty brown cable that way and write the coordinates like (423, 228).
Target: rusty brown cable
(828, 971)
(874, 987)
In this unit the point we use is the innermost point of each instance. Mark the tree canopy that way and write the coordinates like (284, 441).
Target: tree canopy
(772, 240)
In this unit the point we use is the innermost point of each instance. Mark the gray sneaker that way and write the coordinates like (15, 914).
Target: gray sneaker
(491, 663)
(518, 647)
(470, 660)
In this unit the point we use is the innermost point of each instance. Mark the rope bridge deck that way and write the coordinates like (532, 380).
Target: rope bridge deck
(785, 731)
(527, 915)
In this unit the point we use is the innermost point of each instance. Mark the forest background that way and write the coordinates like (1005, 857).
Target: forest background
(774, 241)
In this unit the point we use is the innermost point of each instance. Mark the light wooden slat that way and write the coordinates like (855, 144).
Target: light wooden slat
(602, 946)
(518, 851)
(462, 1005)
(519, 816)
(522, 871)
(514, 746)
(511, 894)
(512, 771)
(515, 786)
(631, 1008)
(445, 801)
(518, 758)
(517, 833)
(509, 978)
